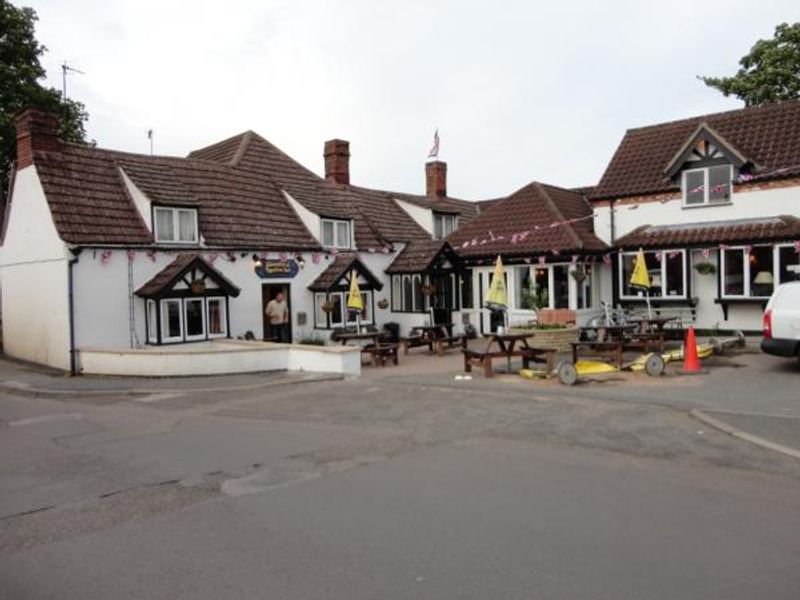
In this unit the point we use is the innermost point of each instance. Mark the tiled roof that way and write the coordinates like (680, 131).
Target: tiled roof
(166, 277)
(417, 257)
(533, 208)
(379, 221)
(339, 267)
(767, 136)
(90, 202)
(712, 232)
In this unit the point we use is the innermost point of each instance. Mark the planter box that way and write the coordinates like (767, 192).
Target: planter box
(550, 338)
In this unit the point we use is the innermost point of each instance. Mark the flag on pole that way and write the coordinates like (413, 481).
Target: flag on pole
(149, 134)
(434, 153)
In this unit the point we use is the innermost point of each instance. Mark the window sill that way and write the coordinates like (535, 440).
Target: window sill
(707, 204)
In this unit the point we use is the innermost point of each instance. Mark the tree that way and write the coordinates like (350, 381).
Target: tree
(769, 72)
(20, 72)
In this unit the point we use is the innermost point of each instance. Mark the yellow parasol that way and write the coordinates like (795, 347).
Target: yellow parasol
(497, 297)
(640, 277)
(354, 301)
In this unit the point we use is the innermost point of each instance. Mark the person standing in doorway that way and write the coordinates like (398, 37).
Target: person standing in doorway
(277, 312)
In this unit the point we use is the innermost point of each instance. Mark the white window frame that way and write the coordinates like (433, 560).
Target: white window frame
(444, 218)
(152, 321)
(663, 261)
(176, 212)
(224, 313)
(706, 188)
(338, 243)
(199, 336)
(776, 270)
(166, 339)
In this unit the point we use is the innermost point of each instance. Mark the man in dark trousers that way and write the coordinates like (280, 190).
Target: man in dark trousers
(277, 312)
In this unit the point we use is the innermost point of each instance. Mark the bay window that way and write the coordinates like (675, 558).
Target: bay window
(667, 270)
(754, 271)
(339, 315)
(217, 322)
(172, 320)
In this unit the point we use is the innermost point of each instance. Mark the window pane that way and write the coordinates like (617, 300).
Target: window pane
(585, 288)
(343, 235)
(337, 312)
(320, 316)
(408, 294)
(186, 226)
(523, 284)
(787, 258)
(627, 261)
(695, 187)
(762, 280)
(171, 318)
(438, 227)
(451, 224)
(654, 271)
(194, 317)
(327, 233)
(366, 313)
(216, 316)
(164, 225)
(719, 184)
(733, 277)
(466, 290)
(152, 324)
(419, 303)
(561, 286)
(541, 286)
(397, 292)
(673, 263)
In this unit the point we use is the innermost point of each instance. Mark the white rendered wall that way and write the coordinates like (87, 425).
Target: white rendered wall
(423, 216)
(33, 272)
(309, 219)
(750, 203)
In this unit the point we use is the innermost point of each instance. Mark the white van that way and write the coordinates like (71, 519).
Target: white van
(782, 322)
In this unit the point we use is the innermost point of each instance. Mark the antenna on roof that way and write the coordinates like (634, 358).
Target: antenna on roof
(64, 68)
(150, 137)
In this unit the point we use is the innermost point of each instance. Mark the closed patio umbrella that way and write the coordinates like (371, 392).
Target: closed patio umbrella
(640, 278)
(354, 301)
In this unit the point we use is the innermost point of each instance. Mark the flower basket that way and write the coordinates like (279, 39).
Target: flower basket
(705, 268)
(327, 306)
(427, 289)
(383, 303)
(578, 274)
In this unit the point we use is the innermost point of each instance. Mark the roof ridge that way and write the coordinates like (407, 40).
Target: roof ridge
(559, 215)
(683, 120)
(240, 151)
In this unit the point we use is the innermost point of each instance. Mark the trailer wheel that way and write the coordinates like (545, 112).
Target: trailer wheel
(654, 365)
(567, 373)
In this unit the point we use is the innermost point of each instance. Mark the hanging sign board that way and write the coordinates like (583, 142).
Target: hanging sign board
(276, 269)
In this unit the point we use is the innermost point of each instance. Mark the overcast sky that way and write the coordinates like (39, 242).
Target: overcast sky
(520, 91)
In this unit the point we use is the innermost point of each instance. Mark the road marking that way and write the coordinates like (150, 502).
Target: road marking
(157, 397)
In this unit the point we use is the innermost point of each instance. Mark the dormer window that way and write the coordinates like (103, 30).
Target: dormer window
(175, 225)
(336, 233)
(708, 185)
(444, 225)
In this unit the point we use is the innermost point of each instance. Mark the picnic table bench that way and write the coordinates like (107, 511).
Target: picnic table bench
(379, 351)
(438, 338)
(609, 350)
(483, 351)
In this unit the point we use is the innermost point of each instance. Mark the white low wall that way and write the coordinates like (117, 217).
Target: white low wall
(220, 358)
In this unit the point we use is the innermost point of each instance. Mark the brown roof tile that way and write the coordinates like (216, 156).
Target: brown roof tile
(533, 208)
(168, 276)
(338, 268)
(767, 136)
(716, 232)
(418, 256)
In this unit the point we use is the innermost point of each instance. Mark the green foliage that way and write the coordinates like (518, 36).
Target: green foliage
(20, 72)
(769, 72)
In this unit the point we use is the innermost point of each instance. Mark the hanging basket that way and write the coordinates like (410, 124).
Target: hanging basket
(578, 275)
(327, 306)
(383, 303)
(705, 268)
(427, 289)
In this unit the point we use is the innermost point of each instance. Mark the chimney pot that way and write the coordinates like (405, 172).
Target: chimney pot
(37, 131)
(337, 161)
(436, 178)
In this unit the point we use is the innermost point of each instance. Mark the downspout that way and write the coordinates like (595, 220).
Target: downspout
(73, 368)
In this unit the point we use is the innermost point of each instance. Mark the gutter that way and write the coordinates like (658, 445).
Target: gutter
(73, 368)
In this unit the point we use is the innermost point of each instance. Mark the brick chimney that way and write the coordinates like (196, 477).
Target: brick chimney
(436, 178)
(37, 130)
(337, 161)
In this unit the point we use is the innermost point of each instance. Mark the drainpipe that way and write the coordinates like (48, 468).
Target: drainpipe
(73, 369)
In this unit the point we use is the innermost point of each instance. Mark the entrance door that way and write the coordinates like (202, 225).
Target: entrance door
(268, 292)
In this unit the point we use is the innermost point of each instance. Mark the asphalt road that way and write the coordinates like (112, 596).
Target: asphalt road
(396, 487)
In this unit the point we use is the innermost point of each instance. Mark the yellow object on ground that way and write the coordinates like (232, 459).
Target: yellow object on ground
(531, 374)
(354, 301)
(497, 296)
(594, 367)
(640, 277)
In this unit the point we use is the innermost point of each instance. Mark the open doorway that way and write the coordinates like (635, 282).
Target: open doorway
(268, 292)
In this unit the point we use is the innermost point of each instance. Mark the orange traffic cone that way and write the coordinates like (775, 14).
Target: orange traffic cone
(691, 363)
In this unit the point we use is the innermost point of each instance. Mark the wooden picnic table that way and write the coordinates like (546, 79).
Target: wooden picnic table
(434, 336)
(358, 337)
(508, 345)
(379, 352)
(654, 324)
(610, 332)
